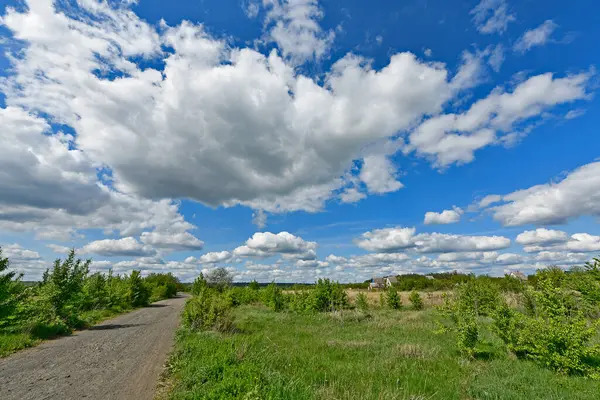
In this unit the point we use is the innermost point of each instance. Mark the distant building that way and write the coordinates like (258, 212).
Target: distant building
(429, 277)
(382, 283)
(390, 281)
(519, 275)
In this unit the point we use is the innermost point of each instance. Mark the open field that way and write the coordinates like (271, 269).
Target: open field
(430, 298)
(385, 354)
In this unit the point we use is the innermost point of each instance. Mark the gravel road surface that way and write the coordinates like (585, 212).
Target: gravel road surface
(118, 359)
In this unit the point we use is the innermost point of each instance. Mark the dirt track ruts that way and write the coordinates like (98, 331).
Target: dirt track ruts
(117, 359)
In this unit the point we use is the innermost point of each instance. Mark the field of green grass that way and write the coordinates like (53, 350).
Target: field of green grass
(384, 354)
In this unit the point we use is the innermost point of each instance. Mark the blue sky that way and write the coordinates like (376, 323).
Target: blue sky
(291, 140)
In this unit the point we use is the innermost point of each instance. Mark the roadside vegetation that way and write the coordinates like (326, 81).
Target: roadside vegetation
(485, 338)
(70, 297)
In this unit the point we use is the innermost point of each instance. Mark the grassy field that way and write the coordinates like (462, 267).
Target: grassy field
(351, 355)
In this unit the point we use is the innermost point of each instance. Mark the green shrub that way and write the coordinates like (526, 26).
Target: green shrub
(208, 311)
(254, 285)
(327, 296)
(553, 332)
(137, 291)
(392, 298)
(199, 285)
(168, 281)
(362, 302)
(158, 293)
(416, 300)
(10, 292)
(272, 297)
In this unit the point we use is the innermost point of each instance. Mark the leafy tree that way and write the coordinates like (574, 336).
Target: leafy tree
(138, 292)
(273, 297)
(254, 285)
(219, 278)
(199, 285)
(9, 286)
(63, 285)
(162, 285)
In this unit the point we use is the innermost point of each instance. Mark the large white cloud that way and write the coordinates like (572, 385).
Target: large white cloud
(541, 236)
(284, 244)
(225, 114)
(395, 239)
(127, 246)
(172, 241)
(387, 239)
(453, 138)
(578, 194)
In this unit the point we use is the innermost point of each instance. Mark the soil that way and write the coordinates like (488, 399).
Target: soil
(121, 358)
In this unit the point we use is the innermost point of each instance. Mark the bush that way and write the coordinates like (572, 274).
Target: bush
(553, 332)
(208, 311)
(362, 302)
(272, 297)
(254, 285)
(137, 291)
(10, 291)
(392, 298)
(166, 281)
(416, 300)
(327, 296)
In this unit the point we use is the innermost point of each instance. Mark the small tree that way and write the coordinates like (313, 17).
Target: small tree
(416, 300)
(393, 298)
(362, 302)
(219, 278)
(138, 292)
(62, 286)
(199, 285)
(8, 286)
(254, 285)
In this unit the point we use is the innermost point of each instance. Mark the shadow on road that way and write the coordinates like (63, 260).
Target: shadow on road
(112, 326)
(157, 305)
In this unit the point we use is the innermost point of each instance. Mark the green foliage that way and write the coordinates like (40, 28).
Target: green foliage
(10, 290)
(327, 296)
(392, 298)
(416, 300)
(237, 296)
(254, 285)
(219, 278)
(361, 302)
(475, 298)
(69, 297)
(210, 310)
(553, 331)
(199, 285)
(164, 285)
(137, 291)
(272, 297)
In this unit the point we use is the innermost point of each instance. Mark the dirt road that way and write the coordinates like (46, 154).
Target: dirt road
(118, 359)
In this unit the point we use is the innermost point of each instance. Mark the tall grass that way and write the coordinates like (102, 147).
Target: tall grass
(389, 355)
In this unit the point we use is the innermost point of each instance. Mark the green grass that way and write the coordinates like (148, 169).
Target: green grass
(20, 337)
(392, 355)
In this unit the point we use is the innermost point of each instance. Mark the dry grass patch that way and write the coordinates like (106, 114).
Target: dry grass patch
(415, 351)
